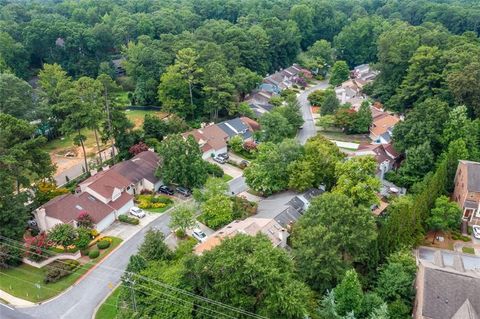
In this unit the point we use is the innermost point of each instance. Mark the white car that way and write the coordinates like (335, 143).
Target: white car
(476, 231)
(199, 235)
(137, 212)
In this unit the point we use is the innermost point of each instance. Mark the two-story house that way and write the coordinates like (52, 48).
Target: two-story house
(467, 190)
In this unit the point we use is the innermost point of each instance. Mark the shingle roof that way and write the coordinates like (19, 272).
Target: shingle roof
(141, 166)
(446, 292)
(67, 207)
(235, 127)
(106, 181)
(382, 123)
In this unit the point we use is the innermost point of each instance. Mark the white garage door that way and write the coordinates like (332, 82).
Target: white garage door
(107, 221)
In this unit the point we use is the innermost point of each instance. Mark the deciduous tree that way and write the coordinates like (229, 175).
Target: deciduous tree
(340, 73)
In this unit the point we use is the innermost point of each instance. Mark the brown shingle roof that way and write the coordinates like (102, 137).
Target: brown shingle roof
(141, 166)
(209, 137)
(382, 123)
(107, 181)
(254, 125)
(67, 207)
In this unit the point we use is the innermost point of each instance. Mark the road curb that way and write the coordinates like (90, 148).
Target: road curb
(103, 300)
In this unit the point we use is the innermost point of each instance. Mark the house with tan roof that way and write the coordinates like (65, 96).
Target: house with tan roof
(385, 154)
(467, 190)
(381, 130)
(104, 196)
(211, 140)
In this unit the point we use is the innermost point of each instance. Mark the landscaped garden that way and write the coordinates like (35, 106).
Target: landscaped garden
(153, 203)
(39, 284)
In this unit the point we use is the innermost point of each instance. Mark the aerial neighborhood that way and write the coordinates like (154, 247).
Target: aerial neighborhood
(240, 159)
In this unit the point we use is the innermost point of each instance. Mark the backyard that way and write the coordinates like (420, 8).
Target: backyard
(137, 116)
(27, 282)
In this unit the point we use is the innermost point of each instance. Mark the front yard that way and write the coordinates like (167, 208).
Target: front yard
(27, 282)
(154, 203)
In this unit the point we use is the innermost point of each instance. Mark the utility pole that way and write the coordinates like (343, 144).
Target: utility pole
(132, 291)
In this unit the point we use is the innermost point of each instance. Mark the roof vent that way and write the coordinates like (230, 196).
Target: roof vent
(78, 207)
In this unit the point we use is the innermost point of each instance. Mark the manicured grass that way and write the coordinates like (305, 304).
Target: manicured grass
(340, 136)
(468, 250)
(227, 177)
(158, 210)
(26, 282)
(108, 309)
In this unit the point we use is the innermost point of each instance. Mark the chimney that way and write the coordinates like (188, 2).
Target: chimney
(282, 235)
(151, 149)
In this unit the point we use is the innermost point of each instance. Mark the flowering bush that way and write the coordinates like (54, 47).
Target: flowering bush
(37, 247)
(85, 220)
(250, 146)
(151, 201)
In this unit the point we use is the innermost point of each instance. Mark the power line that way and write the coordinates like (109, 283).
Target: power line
(121, 284)
(204, 299)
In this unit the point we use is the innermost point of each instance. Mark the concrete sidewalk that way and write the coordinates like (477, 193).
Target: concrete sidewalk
(14, 301)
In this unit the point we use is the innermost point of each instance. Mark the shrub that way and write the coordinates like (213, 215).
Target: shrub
(103, 244)
(180, 233)
(243, 208)
(94, 233)
(146, 192)
(250, 146)
(128, 220)
(83, 239)
(59, 269)
(94, 253)
(214, 170)
(151, 201)
(10, 255)
(84, 220)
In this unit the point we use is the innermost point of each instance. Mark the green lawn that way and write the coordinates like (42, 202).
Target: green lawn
(59, 145)
(227, 177)
(158, 210)
(26, 282)
(468, 250)
(340, 136)
(108, 309)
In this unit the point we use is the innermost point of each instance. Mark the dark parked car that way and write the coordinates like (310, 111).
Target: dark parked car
(184, 191)
(165, 189)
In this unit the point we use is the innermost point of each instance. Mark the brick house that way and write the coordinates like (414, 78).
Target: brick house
(467, 190)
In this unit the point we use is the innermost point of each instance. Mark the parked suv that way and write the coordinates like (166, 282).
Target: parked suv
(184, 191)
(199, 235)
(165, 189)
(224, 156)
(137, 212)
(219, 159)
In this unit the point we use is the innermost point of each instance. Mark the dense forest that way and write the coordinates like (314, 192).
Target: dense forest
(198, 59)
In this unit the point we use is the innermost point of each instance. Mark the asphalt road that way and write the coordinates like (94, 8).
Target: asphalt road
(7, 312)
(309, 128)
(79, 301)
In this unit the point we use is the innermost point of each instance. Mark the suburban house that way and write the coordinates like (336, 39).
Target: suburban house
(104, 196)
(381, 130)
(140, 171)
(385, 154)
(363, 74)
(446, 287)
(275, 220)
(467, 190)
(241, 126)
(272, 85)
(211, 139)
(350, 92)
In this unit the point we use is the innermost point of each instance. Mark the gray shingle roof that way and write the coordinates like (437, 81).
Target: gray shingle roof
(235, 127)
(445, 293)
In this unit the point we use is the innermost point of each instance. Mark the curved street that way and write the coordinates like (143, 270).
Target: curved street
(80, 301)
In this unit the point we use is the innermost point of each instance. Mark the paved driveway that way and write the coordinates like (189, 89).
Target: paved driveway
(228, 169)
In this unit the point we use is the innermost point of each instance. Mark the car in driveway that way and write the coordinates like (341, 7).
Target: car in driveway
(476, 231)
(137, 212)
(184, 191)
(199, 235)
(224, 156)
(165, 190)
(219, 159)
